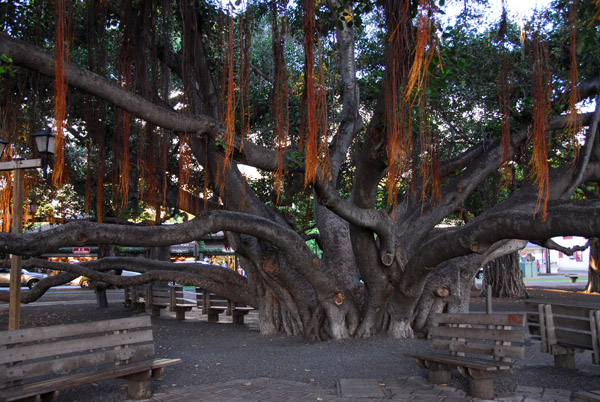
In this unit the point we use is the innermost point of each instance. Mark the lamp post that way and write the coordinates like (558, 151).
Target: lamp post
(18, 167)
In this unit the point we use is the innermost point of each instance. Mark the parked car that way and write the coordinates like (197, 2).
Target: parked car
(87, 283)
(82, 281)
(29, 279)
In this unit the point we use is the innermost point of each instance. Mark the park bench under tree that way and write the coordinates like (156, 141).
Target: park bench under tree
(481, 346)
(157, 297)
(44, 360)
(564, 330)
(213, 305)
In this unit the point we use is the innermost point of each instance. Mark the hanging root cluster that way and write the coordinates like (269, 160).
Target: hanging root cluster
(280, 92)
(541, 107)
(60, 91)
(504, 102)
(574, 124)
(399, 102)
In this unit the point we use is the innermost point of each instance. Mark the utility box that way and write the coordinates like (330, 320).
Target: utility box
(529, 269)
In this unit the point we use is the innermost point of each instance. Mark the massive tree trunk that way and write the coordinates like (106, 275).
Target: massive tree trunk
(383, 268)
(593, 285)
(505, 277)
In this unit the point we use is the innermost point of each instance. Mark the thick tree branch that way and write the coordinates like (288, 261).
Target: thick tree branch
(586, 154)
(375, 220)
(549, 243)
(572, 217)
(216, 279)
(84, 233)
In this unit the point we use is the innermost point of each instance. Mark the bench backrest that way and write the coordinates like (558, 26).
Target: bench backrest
(33, 352)
(497, 336)
(160, 294)
(561, 324)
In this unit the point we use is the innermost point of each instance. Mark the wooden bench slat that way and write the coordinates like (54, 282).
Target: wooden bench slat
(43, 350)
(68, 364)
(575, 311)
(479, 333)
(479, 364)
(36, 334)
(575, 337)
(513, 352)
(59, 383)
(575, 323)
(481, 319)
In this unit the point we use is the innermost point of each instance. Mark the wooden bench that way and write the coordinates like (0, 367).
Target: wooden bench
(179, 303)
(135, 297)
(564, 330)
(481, 346)
(44, 360)
(573, 277)
(157, 297)
(214, 305)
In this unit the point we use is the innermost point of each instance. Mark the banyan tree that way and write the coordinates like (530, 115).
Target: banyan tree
(397, 151)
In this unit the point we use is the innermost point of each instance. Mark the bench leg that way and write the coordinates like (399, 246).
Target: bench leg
(482, 388)
(139, 307)
(139, 385)
(213, 317)
(238, 318)
(49, 397)
(155, 311)
(180, 314)
(438, 373)
(566, 361)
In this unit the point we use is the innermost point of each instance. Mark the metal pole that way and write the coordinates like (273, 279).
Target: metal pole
(488, 299)
(14, 316)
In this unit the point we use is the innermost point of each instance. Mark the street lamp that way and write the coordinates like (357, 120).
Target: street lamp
(18, 167)
(44, 141)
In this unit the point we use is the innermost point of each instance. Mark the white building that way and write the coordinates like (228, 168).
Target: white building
(560, 262)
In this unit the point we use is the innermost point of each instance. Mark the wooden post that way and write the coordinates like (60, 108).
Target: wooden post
(488, 299)
(14, 316)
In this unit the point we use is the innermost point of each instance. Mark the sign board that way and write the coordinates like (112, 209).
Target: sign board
(81, 250)
(523, 253)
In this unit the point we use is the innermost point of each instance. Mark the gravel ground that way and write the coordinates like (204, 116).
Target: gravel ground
(214, 353)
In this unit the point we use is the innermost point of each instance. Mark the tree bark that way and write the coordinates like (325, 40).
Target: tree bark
(593, 285)
(505, 277)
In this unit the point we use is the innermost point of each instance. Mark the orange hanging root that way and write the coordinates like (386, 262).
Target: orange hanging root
(88, 178)
(574, 124)
(310, 144)
(504, 101)
(185, 172)
(60, 92)
(541, 106)
(125, 167)
(5, 200)
(280, 95)
(399, 138)
(230, 114)
(324, 164)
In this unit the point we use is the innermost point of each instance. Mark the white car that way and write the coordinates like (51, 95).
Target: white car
(29, 279)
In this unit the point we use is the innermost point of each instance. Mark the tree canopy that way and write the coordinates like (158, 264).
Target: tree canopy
(396, 154)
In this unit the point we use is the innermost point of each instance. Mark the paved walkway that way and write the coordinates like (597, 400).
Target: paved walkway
(413, 389)
(348, 390)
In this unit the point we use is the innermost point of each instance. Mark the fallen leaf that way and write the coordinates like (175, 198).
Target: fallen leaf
(247, 383)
